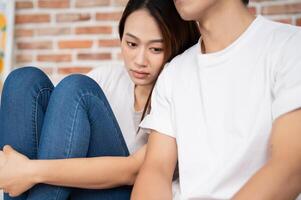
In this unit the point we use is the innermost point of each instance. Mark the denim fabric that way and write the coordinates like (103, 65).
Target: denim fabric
(71, 120)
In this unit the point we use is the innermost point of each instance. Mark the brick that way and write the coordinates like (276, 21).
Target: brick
(94, 56)
(119, 2)
(73, 17)
(74, 69)
(24, 5)
(35, 45)
(91, 3)
(54, 58)
(298, 22)
(109, 43)
(73, 44)
(22, 58)
(285, 21)
(53, 4)
(113, 16)
(94, 30)
(252, 10)
(53, 31)
(282, 9)
(32, 18)
(23, 33)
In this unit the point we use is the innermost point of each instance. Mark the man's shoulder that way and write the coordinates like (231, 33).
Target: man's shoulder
(276, 38)
(281, 32)
(184, 60)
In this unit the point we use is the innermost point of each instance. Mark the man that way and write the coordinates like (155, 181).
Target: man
(228, 109)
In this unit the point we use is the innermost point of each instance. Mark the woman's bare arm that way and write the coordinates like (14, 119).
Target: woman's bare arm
(18, 173)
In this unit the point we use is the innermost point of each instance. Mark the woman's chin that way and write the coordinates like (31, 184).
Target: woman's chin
(141, 82)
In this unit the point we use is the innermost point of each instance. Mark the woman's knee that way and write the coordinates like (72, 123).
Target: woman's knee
(26, 77)
(77, 82)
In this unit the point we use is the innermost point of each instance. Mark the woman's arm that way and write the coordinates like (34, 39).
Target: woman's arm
(18, 173)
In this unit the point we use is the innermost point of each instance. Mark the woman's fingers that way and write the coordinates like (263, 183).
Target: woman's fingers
(7, 149)
(2, 159)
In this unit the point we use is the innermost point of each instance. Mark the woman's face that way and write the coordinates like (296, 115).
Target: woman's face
(142, 47)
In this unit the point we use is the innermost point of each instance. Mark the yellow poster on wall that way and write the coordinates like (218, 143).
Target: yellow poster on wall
(6, 37)
(2, 42)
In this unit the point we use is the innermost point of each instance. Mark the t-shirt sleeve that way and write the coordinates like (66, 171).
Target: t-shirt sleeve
(159, 118)
(287, 87)
(101, 74)
(96, 74)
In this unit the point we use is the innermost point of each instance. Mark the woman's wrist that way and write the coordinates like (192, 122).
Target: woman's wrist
(34, 171)
(137, 160)
(134, 169)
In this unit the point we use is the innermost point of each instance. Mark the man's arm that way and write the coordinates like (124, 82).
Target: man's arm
(155, 177)
(280, 178)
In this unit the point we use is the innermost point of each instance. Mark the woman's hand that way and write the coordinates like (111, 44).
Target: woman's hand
(139, 155)
(15, 172)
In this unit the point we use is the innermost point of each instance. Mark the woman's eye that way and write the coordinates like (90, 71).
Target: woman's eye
(156, 50)
(131, 44)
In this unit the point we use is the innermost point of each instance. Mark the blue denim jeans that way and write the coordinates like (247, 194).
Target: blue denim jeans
(71, 120)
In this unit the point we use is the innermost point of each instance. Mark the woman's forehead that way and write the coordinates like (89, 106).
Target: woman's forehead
(142, 25)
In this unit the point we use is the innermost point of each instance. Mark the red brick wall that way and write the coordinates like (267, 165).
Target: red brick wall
(74, 36)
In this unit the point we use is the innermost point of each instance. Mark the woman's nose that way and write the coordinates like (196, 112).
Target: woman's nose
(141, 58)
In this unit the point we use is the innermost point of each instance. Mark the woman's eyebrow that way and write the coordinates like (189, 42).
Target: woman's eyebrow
(151, 41)
(155, 41)
(132, 36)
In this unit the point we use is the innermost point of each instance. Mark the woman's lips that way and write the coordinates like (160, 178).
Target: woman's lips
(139, 75)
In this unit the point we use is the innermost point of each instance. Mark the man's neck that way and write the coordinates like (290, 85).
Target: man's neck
(222, 24)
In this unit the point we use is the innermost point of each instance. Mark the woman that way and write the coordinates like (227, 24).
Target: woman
(76, 119)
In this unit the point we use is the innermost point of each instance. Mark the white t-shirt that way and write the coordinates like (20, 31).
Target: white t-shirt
(119, 90)
(220, 107)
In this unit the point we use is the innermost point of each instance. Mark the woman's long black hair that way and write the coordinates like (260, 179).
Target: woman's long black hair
(178, 35)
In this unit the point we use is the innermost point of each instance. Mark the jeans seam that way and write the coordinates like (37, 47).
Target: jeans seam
(68, 150)
(75, 114)
(116, 131)
(36, 117)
